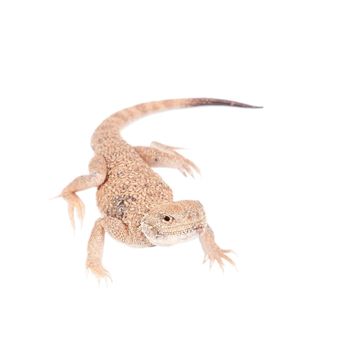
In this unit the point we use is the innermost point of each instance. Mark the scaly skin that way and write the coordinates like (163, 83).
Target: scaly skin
(136, 205)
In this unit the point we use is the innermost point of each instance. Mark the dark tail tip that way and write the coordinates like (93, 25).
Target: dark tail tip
(220, 102)
(244, 105)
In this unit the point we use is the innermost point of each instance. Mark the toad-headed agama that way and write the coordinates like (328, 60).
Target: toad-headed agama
(136, 205)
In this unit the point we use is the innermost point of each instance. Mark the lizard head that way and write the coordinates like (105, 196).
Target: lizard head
(173, 222)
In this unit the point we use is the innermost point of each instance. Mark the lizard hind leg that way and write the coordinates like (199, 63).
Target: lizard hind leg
(159, 155)
(212, 251)
(98, 172)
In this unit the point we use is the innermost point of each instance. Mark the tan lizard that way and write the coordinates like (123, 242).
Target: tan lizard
(136, 205)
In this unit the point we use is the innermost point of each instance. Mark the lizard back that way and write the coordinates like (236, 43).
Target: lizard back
(131, 187)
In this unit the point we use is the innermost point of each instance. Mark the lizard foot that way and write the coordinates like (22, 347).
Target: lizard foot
(99, 272)
(74, 203)
(184, 165)
(218, 256)
(187, 167)
(213, 252)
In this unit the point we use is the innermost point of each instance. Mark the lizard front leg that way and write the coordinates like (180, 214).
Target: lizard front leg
(98, 172)
(95, 250)
(212, 251)
(159, 155)
(96, 242)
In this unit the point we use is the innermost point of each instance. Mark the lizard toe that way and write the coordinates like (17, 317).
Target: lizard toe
(75, 205)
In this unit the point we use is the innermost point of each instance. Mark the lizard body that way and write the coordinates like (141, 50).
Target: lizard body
(136, 205)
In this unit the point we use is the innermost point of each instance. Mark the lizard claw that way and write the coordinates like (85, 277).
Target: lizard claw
(74, 204)
(205, 259)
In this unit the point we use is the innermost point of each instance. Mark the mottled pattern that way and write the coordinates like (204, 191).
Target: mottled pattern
(136, 205)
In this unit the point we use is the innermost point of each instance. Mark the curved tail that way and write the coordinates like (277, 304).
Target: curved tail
(110, 127)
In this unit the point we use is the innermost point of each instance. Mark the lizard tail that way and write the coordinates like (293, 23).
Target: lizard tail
(110, 127)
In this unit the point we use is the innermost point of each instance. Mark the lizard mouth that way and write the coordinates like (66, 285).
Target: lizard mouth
(178, 229)
(171, 237)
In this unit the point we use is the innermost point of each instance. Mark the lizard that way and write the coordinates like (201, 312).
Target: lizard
(136, 205)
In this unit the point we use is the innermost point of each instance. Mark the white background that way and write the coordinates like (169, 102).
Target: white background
(275, 182)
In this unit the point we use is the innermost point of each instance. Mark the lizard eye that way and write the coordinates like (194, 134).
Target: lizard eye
(167, 218)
